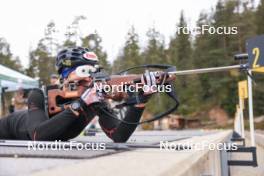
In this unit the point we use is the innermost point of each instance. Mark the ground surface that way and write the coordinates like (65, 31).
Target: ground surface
(14, 164)
(20, 161)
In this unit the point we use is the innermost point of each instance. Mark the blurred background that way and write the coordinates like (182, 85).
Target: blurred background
(129, 33)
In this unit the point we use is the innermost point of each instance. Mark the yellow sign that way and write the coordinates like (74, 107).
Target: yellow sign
(258, 69)
(243, 89)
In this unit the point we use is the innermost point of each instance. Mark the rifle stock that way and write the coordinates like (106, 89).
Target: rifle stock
(60, 98)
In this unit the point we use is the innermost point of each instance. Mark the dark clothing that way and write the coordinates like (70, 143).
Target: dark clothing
(11, 109)
(34, 124)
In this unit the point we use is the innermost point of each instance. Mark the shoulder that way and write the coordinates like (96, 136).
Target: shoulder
(36, 92)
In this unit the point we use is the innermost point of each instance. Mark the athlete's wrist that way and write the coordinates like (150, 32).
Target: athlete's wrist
(76, 107)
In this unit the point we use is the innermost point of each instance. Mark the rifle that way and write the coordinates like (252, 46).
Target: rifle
(58, 98)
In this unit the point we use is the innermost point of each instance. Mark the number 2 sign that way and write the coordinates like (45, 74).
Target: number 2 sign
(255, 50)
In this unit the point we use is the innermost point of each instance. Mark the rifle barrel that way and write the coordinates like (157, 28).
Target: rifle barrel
(207, 70)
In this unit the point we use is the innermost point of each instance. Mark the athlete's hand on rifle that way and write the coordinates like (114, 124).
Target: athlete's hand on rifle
(92, 96)
(151, 80)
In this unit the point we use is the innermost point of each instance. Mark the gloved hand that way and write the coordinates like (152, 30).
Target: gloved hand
(148, 80)
(151, 81)
(91, 96)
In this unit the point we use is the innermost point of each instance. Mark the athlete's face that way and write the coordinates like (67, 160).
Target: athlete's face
(81, 73)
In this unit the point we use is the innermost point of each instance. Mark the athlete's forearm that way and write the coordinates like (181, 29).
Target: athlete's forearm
(119, 131)
(124, 130)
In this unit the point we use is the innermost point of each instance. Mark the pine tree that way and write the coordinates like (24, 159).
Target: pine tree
(213, 50)
(73, 34)
(154, 53)
(6, 57)
(258, 78)
(180, 55)
(39, 63)
(93, 42)
(130, 54)
(42, 59)
(202, 56)
(260, 17)
(33, 67)
(51, 40)
(155, 50)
